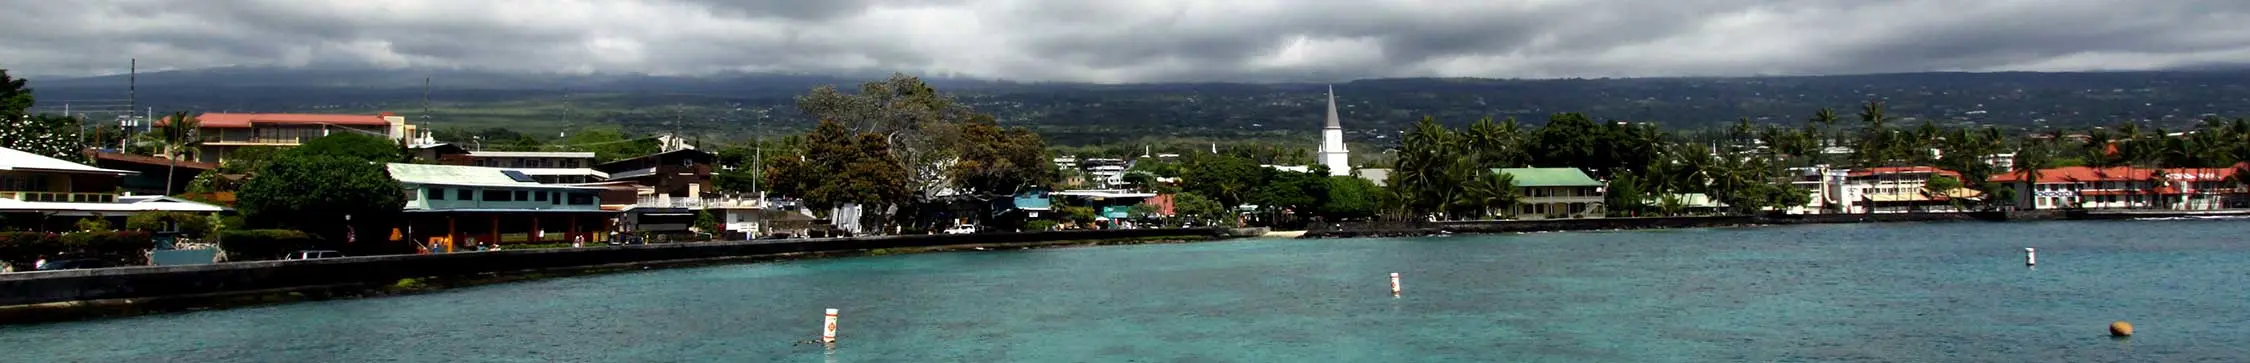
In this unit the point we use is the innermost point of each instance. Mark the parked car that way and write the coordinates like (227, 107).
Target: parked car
(961, 230)
(312, 254)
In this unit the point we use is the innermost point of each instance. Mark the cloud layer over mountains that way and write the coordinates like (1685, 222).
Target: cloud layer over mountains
(1131, 41)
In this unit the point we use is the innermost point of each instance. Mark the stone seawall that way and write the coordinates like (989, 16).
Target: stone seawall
(48, 287)
(1422, 228)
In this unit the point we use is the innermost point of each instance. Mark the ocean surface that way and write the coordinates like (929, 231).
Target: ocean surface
(1941, 292)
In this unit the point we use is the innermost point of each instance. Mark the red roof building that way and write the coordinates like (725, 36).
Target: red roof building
(223, 133)
(2125, 187)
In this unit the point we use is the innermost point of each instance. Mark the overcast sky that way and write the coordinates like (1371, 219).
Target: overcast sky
(1134, 40)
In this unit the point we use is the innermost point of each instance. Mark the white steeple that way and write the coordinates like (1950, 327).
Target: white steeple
(1332, 152)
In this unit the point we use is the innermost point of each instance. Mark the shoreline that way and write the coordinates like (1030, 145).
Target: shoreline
(1436, 228)
(363, 286)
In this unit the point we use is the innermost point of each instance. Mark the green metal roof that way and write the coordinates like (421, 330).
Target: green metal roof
(1549, 177)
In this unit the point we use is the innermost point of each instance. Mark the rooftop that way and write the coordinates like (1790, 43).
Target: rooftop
(532, 154)
(18, 160)
(246, 120)
(475, 176)
(1549, 177)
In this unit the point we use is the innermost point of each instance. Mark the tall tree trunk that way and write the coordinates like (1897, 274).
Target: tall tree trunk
(169, 167)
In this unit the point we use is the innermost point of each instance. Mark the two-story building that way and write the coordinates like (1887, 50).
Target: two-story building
(1897, 189)
(2126, 188)
(1552, 193)
(451, 205)
(670, 189)
(43, 193)
(223, 133)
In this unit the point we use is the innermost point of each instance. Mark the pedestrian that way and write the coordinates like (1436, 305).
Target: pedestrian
(578, 241)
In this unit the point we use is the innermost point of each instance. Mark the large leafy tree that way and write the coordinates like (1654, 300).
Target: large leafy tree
(998, 161)
(1232, 181)
(315, 192)
(350, 145)
(1350, 197)
(49, 135)
(920, 125)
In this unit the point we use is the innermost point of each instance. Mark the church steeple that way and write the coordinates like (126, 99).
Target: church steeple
(1332, 152)
(1334, 122)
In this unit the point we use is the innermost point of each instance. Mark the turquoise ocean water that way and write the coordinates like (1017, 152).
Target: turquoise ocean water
(1948, 292)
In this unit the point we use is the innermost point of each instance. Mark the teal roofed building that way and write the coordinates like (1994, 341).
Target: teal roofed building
(1554, 193)
(449, 205)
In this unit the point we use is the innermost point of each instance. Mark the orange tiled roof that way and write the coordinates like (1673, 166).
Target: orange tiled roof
(2083, 174)
(246, 120)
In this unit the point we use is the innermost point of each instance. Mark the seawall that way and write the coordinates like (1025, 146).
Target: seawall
(52, 295)
(1423, 228)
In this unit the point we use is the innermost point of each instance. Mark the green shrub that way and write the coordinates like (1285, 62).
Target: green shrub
(123, 248)
(93, 224)
(1039, 225)
(264, 244)
(194, 225)
(22, 248)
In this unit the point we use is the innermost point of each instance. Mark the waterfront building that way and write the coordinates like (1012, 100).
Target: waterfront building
(224, 133)
(1897, 189)
(669, 189)
(2126, 188)
(450, 204)
(1555, 193)
(35, 188)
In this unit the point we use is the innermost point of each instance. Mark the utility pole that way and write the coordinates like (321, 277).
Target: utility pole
(132, 87)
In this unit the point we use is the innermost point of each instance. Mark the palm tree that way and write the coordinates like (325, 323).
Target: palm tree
(1493, 192)
(177, 138)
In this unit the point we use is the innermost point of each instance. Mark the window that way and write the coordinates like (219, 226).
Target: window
(523, 195)
(464, 194)
(535, 163)
(496, 195)
(436, 194)
(540, 196)
(555, 197)
(581, 198)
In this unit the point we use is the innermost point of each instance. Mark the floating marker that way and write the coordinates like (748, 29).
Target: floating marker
(1394, 284)
(2030, 257)
(828, 330)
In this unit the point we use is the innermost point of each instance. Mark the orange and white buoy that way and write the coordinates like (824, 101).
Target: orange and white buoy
(828, 328)
(1394, 284)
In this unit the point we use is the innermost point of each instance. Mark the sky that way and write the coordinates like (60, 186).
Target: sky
(1130, 41)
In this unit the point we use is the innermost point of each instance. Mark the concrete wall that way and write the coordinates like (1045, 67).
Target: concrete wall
(166, 281)
(1417, 228)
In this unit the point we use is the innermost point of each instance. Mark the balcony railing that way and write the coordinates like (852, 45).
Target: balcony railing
(60, 197)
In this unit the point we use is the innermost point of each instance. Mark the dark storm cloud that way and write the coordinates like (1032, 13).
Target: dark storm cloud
(1129, 41)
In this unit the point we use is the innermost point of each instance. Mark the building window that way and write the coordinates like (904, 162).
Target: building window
(555, 197)
(581, 199)
(534, 163)
(539, 197)
(464, 194)
(523, 195)
(437, 193)
(496, 195)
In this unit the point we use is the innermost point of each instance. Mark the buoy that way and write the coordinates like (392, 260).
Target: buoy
(2120, 329)
(2030, 256)
(828, 329)
(1394, 284)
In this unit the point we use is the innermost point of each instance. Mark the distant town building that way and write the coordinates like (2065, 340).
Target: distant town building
(2126, 187)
